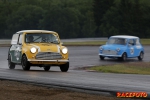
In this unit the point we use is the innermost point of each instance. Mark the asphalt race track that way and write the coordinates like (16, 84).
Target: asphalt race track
(80, 56)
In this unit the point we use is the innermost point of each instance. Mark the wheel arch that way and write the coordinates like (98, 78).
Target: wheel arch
(9, 53)
(23, 55)
(124, 52)
(10, 56)
(140, 52)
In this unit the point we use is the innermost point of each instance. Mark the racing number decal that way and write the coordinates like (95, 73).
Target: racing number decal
(132, 51)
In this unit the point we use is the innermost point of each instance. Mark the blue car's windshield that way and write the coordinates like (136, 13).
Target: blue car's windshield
(119, 41)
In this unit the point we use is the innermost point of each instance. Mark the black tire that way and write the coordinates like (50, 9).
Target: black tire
(64, 67)
(141, 56)
(124, 57)
(101, 57)
(119, 58)
(46, 68)
(25, 63)
(10, 64)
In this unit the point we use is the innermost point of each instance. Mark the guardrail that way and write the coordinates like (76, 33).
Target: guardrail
(5, 41)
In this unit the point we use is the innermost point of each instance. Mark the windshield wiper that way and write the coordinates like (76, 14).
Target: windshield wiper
(54, 42)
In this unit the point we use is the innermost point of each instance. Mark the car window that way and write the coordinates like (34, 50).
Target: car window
(20, 39)
(15, 39)
(131, 42)
(120, 41)
(137, 41)
(41, 38)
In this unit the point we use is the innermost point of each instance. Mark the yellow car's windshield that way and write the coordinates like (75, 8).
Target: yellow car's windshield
(41, 38)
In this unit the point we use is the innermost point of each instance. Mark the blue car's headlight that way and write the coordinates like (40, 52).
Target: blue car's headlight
(100, 48)
(118, 49)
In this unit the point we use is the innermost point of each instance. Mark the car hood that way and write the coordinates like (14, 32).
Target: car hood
(45, 47)
(113, 47)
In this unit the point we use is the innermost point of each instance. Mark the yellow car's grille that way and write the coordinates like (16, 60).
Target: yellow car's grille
(48, 56)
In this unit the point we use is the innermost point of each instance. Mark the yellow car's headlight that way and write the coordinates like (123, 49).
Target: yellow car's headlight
(64, 50)
(33, 50)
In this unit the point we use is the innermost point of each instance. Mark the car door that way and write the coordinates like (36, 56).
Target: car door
(138, 47)
(15, 49)
(18, 50)
(131, 48)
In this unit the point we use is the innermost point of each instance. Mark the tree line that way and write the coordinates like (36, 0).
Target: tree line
(76, 18)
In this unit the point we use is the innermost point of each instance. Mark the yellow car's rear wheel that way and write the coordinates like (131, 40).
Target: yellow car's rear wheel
(46, 68)
(10, 64)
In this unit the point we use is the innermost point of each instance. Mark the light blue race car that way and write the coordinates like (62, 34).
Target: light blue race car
(122, 47)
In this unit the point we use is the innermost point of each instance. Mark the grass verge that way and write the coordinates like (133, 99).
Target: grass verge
(125, 68)
(86, 43)
(145, 41)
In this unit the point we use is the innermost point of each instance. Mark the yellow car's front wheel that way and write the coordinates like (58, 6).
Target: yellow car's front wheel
(64, 67)
(25, 63)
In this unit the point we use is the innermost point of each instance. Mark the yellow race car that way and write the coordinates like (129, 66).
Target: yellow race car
(37, 48)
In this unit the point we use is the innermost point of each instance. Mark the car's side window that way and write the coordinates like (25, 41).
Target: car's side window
(131, 42)
(15, 39)
(20, 39)
(137, 42)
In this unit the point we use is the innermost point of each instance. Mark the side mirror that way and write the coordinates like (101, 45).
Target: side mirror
(20, 43)
(129, 44)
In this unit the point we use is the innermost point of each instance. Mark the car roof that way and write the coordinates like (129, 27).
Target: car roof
(124, 36)
(33, 31)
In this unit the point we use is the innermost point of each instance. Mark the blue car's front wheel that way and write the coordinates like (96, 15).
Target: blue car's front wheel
(124, 57)
(101, 57)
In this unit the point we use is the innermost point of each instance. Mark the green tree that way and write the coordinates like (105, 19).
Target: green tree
(89, 27)
(146, 19)
(26, 17)
(76, 18)
(111, 23)
(63, 20)
(5, 12)
(126, 17)
(100, 7)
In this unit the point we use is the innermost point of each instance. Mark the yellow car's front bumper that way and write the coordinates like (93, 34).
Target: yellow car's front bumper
(35, 61)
